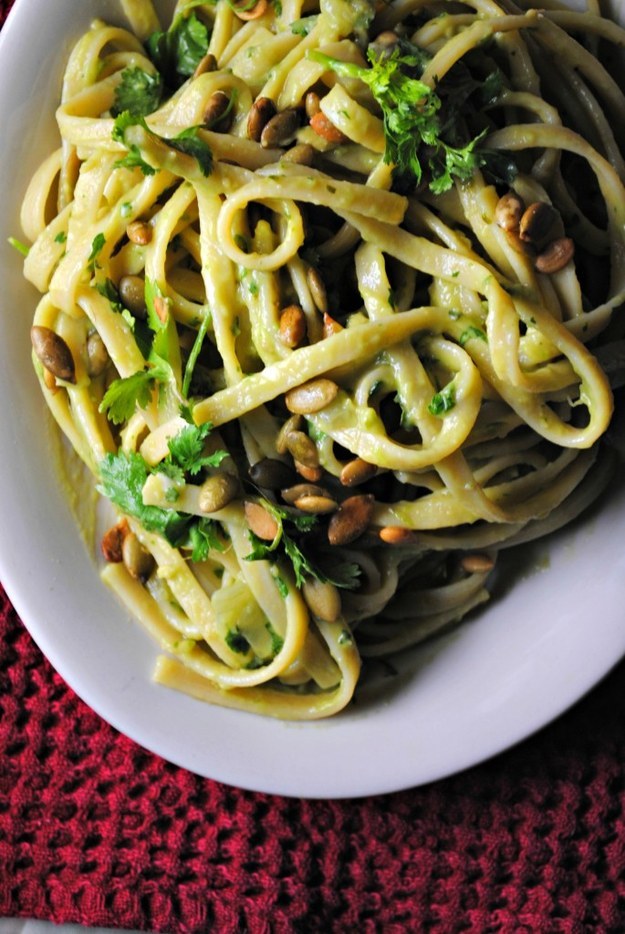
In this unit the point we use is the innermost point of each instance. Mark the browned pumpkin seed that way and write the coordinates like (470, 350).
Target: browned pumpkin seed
(291, 424)
(357, 471)
(519, 246)
(217, 491)
(260, 522)
(206, 64)
(97, 355)
(509, 211)
(477, 563)
(218, 113)
(311, 104)
(280, 129)
(138, 562)
(317, 289)
(311, 474)
(302, 448)
(293, 493)
(396, 535)
(112, 541)
(132, 294)
(261, 112)
(292, 326)
(386, 40)
(53, 352)
(537, 221)
(139, 232)
(323, 599)
(555, 256)
(311, 396)
(330, 326)
(351, 520)
(271, 474)
(324, 128)
(316, 505)
(300, 154)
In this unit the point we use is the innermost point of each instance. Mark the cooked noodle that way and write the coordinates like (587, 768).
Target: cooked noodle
(322, 388)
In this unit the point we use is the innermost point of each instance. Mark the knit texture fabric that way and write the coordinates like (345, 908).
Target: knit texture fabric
(95, 830)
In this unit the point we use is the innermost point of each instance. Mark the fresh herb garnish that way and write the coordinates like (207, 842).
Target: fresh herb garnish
(412, 122)
(177, 52)
(470, 333)
(97, 245)
(123, 476)
(125, 394)
(343, 575)
(188, 142)
(139, 93)
(195, 352)
(19, 246)
(444, 400)
(109, 290)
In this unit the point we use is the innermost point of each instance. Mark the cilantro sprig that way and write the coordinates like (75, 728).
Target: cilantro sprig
(178, 51)
(123, 477)
(413, 127)
(138, 92)
(188, 142)
(126, 393)
(345, 575)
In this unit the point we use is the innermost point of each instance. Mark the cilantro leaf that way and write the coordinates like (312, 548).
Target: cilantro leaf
(109, 290)
(122, 478)
(138, 93)
(204, 537)
(189, 143)
(125, 394)
(470, 333)
(97, 245)
(412, 122)
(177, 52)
(344, 575)
(444, 400)
(187, 446)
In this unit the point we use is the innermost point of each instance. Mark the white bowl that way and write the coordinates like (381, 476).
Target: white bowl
(549, 635)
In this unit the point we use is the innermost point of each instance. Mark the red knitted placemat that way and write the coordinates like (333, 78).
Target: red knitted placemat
(95, 830)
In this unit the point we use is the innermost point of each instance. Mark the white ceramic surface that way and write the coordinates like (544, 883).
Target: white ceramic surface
(548, 638)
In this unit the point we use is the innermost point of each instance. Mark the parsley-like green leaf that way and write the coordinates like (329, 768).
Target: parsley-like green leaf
(236, 641)
(138, 93)
(412, 123)
(122, 478)
(187, 446)
(97, 245)
(177, 52)
(344, 575)
(108, 290)
(125, 394)
(204, 537)
(189, 143)
(470, 333)
(301, 27)
(444, 400)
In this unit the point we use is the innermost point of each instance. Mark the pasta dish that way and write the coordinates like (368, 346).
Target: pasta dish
(327, 311)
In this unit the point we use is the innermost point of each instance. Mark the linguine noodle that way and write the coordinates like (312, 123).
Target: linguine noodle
(327, 350)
